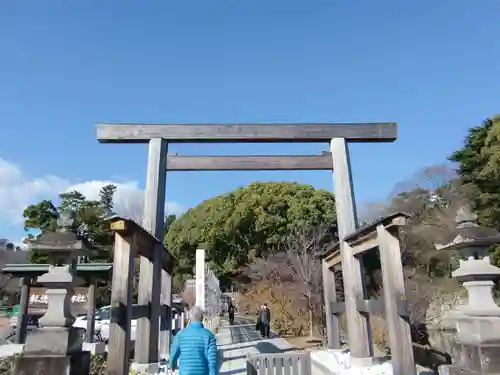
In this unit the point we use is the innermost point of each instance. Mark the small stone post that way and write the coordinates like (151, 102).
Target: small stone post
(23, 311)
(90, 312)
(56, 347)
(478, 321)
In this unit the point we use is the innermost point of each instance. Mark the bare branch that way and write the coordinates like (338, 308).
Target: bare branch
(301, 249)
(131, 207)
(189, 295)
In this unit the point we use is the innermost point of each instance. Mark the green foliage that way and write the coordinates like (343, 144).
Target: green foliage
(169, 220)
(249, 222)
(89, 219)
(98, 364)
(41, 216)
(479, 169)
(7, 365)
(106, 196)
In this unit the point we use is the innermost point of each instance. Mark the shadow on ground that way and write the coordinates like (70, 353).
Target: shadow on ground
(232, 372)
(268, 347)
(245, 336)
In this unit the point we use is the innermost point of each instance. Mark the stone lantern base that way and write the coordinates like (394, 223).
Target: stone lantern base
(53, 351)
(471, 359)
(74, 364)
(54, 341)
(478, 330)
(477, 350)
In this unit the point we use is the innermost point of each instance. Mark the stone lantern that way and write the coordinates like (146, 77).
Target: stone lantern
(478, 321)
(56, 342)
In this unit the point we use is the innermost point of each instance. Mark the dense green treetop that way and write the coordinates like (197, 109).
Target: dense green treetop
(43, 216)
(479, 169)
(249, 222)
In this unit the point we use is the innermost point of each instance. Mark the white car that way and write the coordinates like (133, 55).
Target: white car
(102, 323)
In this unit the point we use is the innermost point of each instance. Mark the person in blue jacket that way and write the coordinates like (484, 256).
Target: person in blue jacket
(195, 347)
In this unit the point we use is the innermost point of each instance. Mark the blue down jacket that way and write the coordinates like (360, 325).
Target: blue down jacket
(196, 349)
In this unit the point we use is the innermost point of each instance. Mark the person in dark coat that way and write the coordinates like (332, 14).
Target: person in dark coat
(195, 348)
(257, 323)
(264, 321)
(231, 311)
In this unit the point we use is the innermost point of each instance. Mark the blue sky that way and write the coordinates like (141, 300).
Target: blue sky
(431, 66)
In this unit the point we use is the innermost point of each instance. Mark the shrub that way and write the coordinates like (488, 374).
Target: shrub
(380, 335)
(289, 318)
(7, 365)
(97, 365)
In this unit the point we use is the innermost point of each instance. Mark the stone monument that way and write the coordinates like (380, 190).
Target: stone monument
(478, 321)
(56, 347)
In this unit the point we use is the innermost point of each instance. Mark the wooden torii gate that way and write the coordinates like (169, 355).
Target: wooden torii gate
(337, 135)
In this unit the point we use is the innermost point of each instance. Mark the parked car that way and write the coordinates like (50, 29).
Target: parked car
(103, 323)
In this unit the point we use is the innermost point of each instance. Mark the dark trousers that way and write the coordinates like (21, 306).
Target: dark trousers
(264, 330)
(231, 319)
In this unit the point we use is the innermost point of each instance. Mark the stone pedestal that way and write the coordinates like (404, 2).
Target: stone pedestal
(473, 360)
(478, 330)
(54, 341)
(75, 364)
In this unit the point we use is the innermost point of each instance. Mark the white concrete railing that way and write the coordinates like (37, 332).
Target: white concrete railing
(207, 291)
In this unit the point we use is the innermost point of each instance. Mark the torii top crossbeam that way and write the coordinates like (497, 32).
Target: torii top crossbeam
(233, 133)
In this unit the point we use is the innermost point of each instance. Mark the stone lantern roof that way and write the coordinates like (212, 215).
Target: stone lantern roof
(469, 233)
(473, 244)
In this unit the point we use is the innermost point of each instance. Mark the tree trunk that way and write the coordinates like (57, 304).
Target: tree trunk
(310, 312)
(311, 320)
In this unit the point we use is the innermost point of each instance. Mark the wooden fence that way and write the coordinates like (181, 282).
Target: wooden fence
(279, 364)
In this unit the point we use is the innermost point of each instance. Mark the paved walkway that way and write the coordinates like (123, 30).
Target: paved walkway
(236, 341)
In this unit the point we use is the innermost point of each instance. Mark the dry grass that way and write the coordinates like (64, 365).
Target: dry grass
(380, 335)
(289, 315)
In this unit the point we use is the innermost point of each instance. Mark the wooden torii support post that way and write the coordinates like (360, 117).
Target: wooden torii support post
(337, 135)
(383, 235)
(131, 240)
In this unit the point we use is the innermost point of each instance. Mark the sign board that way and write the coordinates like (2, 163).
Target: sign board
(38, 300)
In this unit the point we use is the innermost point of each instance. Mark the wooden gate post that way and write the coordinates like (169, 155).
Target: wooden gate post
(146, 343)
(121, 302)
(332, 320)
(166, 315)
(403, 362)
(358, 324)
